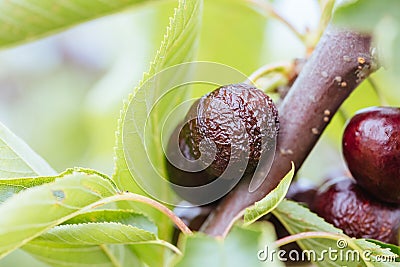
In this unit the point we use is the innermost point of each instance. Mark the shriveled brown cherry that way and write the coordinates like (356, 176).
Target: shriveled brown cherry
(182, 171)
(232, 125)
(343, 203)
(371, 148)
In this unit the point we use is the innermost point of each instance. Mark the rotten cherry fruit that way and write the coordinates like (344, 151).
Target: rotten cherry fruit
(347, 206)
(231, 125)
(179, 174)
(224, 135)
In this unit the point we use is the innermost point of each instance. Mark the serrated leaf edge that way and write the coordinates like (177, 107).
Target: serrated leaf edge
(283, 186)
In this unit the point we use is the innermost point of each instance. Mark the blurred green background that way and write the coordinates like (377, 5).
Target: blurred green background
(63, 94)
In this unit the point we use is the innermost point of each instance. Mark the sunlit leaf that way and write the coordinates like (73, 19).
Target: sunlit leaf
(127, 217)
(26, 20)
(239, 248)
(179, 45)
(94, 234)
(9, 187)
(36, 210)
(95, 243)
(17, 159)
(270, 201)
(393, 248)
(63, 255)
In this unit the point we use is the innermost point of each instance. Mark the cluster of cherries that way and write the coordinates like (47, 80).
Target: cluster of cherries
(366, 205)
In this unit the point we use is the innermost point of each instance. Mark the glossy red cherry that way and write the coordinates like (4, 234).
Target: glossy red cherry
(371, 148)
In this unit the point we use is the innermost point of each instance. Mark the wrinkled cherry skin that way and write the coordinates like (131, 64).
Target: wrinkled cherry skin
(233, 120)
(177, 175)
(371, 148)
(344, 204)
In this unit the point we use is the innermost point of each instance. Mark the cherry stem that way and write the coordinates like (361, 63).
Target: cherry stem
(342, 241)
(269, 10)
(326, 15)
(143, 199)
(308, 235)
(140, 198)
(282, 67)
(164, 243)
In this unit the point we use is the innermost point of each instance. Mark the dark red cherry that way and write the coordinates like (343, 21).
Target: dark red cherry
(347, 206)
(371, 148)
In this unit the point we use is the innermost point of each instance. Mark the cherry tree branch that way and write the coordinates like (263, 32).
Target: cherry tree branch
(340, 62)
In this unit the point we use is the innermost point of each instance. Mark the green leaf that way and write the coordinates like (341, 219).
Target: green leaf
(26, 20)
(69, 244)
(36, 210)
(21, 258)
(270, 201)
(153, 254)
(298, 219)
(364, 15)
(17, 159)
(127, 217)
(90, 239)
(63, 255)
(182, 31)
(11, 186)
(393, 248)
(179, 45)
(239, 248)
(94, 234)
